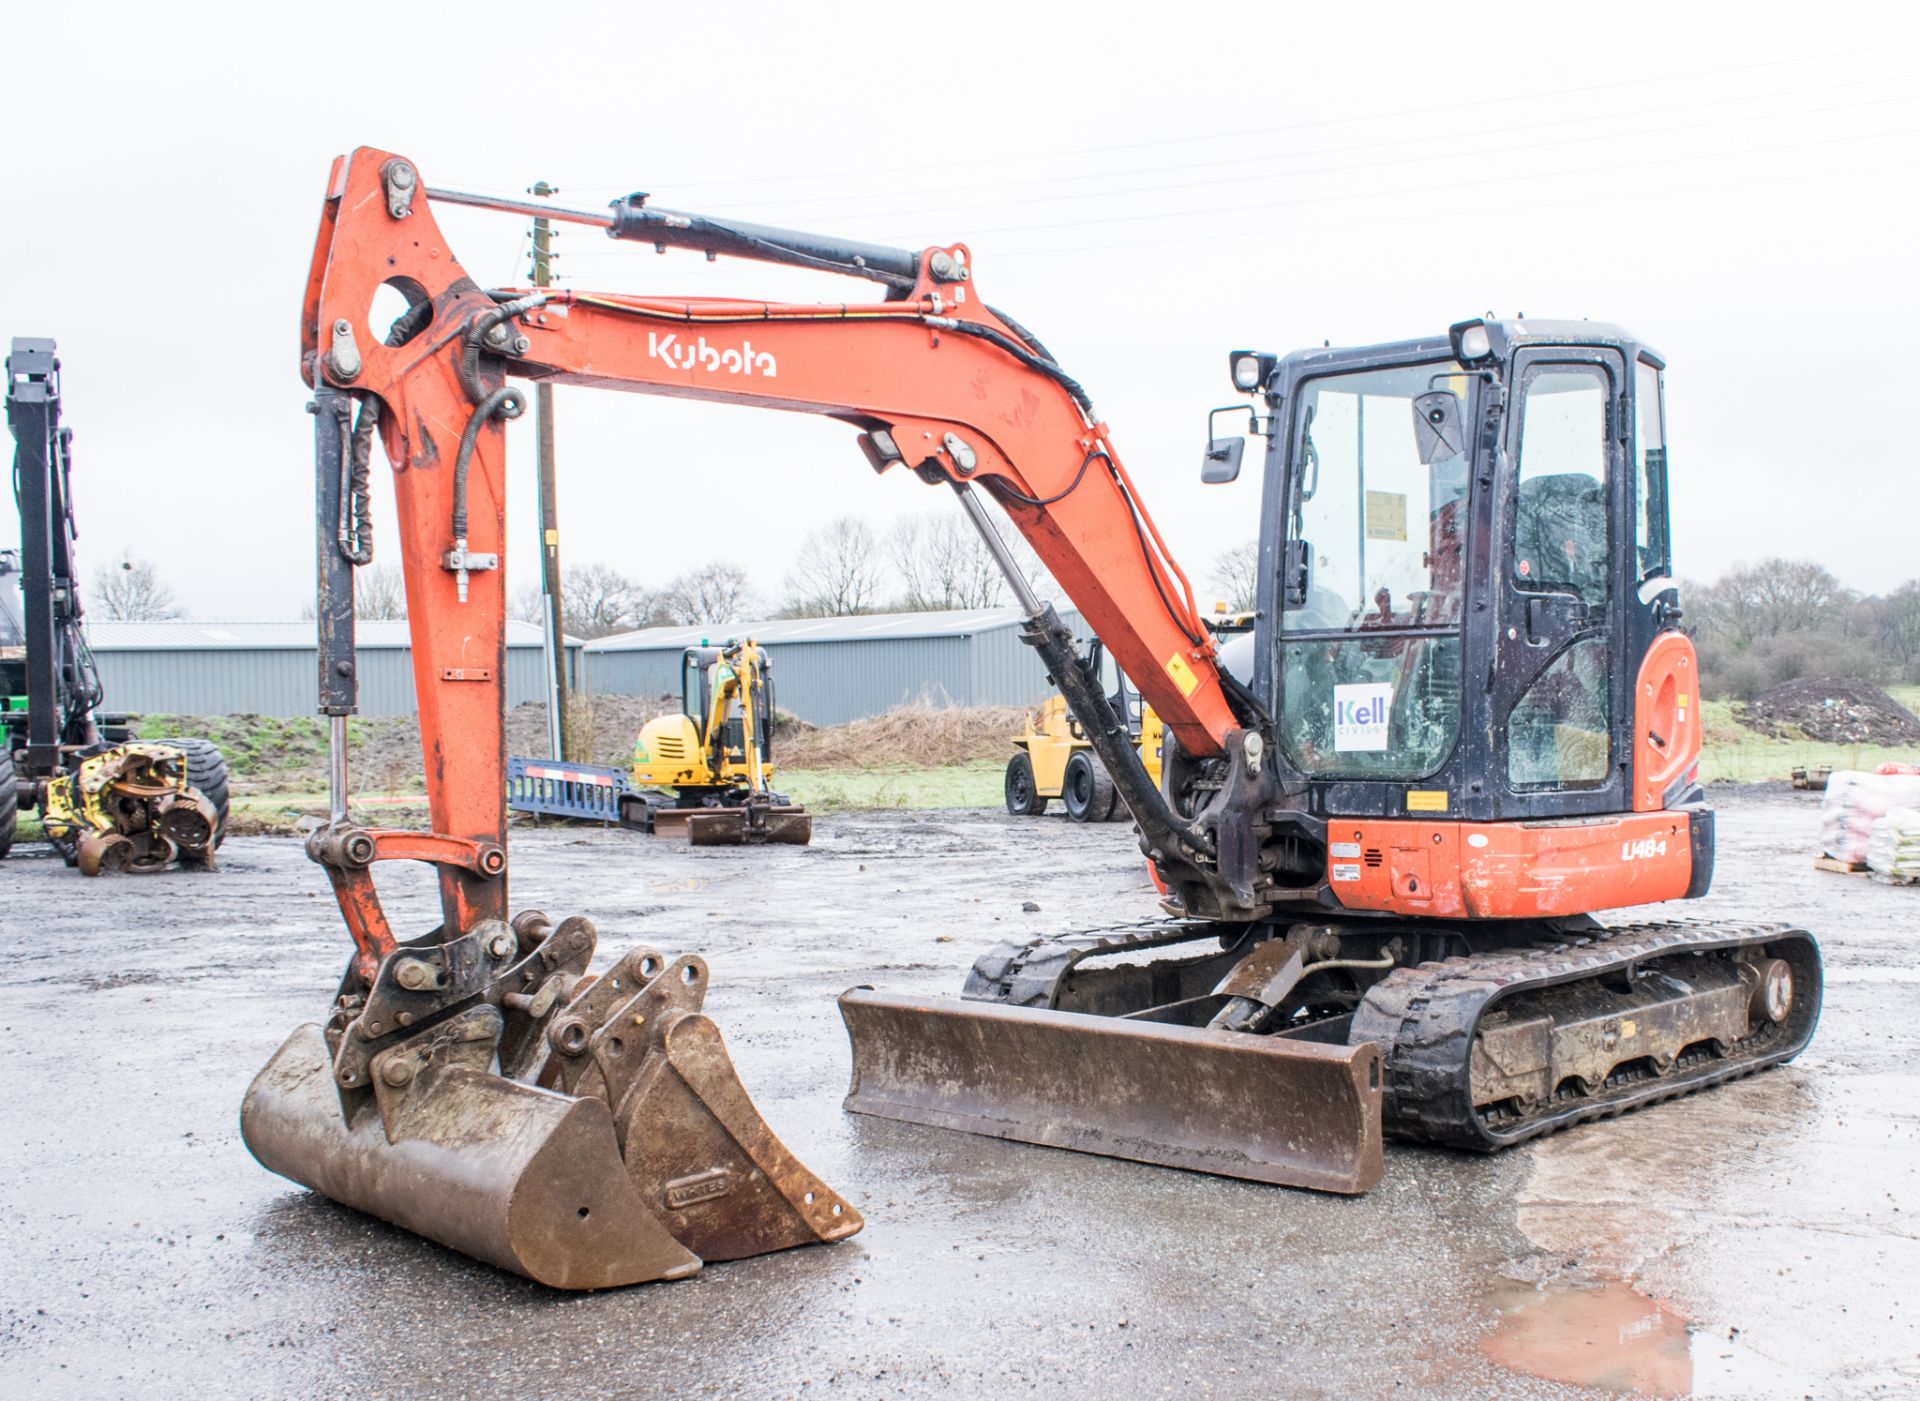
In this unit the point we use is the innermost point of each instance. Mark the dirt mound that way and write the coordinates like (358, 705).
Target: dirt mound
(1834, 709)
(270, 754)
(289, 755)
(913, 736)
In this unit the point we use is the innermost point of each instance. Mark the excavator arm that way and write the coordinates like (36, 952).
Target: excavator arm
(475, 1083)
(930, 376)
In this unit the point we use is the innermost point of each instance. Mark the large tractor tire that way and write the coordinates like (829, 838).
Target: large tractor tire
(9, 798)
(1087, 791)
(207, 771)
(1023, 795)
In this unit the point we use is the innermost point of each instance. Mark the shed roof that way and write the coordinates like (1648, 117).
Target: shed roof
(866, 627)
(191, 635)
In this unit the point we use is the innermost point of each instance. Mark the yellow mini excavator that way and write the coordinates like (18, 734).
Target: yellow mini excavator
(705, 771)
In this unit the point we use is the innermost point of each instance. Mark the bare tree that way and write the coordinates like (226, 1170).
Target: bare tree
(838, 572)
(131, 592)
(1753, 602)
(380, 591)
(943, 563)
(597, 600)
(1900, 627)
(527, 606)
(1236, 574)
(712, 593)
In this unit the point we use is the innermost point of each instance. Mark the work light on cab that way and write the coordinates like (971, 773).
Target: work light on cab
(1471, 343)
(1250, 369)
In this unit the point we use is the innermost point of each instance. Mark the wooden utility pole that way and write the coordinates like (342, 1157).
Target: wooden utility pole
(552, 613)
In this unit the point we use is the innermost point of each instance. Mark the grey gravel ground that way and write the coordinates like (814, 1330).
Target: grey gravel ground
(1758, 1240)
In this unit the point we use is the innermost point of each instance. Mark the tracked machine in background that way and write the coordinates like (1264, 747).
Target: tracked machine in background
(708, 770)
(104, 802)
(1471, 723)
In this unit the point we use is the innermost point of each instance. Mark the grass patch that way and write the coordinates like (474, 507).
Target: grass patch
(1908, 696)
(254, 744)
(1734, 753)
(975, 784)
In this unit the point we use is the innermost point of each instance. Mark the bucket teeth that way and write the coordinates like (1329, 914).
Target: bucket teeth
(637, 1156)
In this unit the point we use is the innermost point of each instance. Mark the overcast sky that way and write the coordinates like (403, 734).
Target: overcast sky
(1145, 187)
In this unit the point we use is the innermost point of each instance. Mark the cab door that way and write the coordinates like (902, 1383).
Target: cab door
(1556, 689)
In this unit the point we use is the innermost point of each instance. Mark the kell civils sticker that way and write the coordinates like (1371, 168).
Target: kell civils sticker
(1360, 715)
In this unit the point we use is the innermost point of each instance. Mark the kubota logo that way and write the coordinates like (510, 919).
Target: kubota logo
(734, 360)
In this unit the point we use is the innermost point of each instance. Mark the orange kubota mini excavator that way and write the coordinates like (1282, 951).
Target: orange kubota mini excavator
(1464, 721)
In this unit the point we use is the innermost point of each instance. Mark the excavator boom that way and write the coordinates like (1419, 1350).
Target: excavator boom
(460, 1069)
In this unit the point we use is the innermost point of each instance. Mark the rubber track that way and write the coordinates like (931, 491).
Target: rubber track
(1025, 975)
(1425, 1019)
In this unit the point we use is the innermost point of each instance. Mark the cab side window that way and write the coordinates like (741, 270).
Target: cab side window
(1560, 516)
(1652, 557)
(1558, 732)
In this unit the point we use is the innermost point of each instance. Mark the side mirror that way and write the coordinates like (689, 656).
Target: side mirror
(1296, 574)
(1222, 462)
(1436, 426)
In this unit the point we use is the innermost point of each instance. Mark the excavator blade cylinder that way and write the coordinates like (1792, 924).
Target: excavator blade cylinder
(523, 1178)
(1269, 1109)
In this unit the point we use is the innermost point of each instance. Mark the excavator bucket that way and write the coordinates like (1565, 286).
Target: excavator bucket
(1270, 1109)
(609, 1142)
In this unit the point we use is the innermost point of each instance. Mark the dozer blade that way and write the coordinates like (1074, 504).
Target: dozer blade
(789, 826)
(522, 1178)
(1270, 1109)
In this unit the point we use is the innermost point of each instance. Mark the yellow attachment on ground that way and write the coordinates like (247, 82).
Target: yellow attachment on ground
(129, 808)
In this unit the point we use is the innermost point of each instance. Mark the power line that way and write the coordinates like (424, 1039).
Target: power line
(1441, 188)
(1341, 169)
(1241, 134)
(1428, 215)
(1185, 166)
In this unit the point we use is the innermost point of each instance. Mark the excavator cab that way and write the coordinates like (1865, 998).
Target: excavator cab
(1481, 726)
(1490, 505)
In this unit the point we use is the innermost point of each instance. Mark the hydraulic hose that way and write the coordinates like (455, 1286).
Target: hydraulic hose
(507, 402)
(355, 533)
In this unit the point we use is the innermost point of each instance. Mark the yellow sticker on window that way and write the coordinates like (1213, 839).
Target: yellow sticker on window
(1182, 674)
(1427, 800)
(1387, 515)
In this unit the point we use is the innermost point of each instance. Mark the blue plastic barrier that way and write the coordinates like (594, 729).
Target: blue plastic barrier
(556, 788)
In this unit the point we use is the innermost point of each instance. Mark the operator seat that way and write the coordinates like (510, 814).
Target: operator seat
(1560, 535)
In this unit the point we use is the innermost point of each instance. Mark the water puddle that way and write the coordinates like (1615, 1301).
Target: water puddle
(1609, 1336)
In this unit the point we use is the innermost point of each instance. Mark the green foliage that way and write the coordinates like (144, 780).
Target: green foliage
(1758, 626)
(971, 785)
(253, 744)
